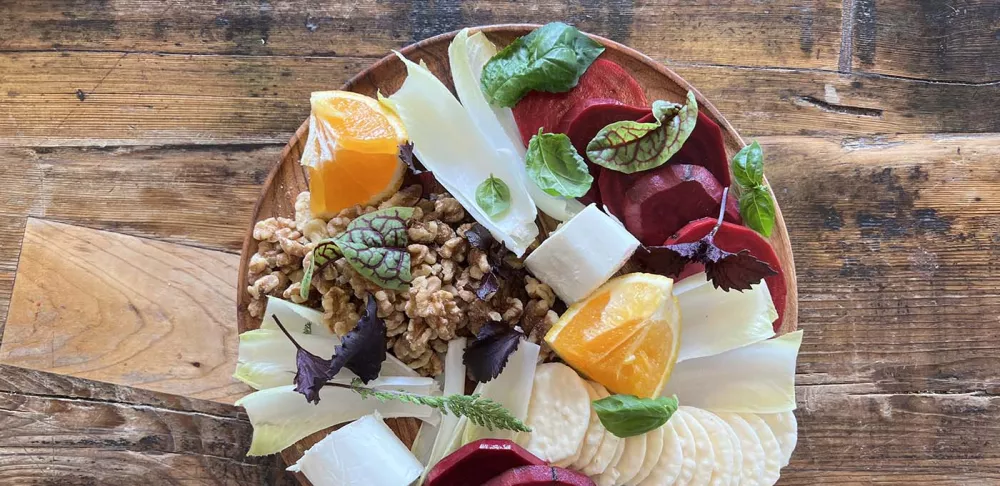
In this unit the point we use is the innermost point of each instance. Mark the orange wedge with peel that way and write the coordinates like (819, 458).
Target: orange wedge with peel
(625, 335)
(352, 152)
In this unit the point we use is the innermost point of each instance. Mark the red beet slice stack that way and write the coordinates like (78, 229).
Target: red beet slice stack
(478, 462)
(704, 147)
(540, 476)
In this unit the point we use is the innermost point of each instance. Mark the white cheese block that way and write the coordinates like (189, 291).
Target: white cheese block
(595, 433)
(704, 453)
(582, 254)
(721, 441)
(558, 413)
(654, 450)
(609, 444)
(610, 475)
(786, 430)
(752, 472)
(671, 464)
(363, 453)
(631, 461)
(769, 444)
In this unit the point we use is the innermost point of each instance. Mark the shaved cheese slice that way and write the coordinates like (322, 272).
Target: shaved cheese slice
(295, 317)
(704, 453)
(582, 254)
(670, 465)
(610, 475)
(716, 321)
(467, 55)
(719, 437)
(752, 472)
(786, 430)
(654, 450)
(769, 446)
(365, 452)
(447, 142)
(631, 461)
(512, 389)
(759, 378)
(595, 433)
(609, 444)
(281, 416)
(558, 414)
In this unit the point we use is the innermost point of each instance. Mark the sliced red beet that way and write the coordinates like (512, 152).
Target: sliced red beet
(734, 238)
(656, 203)
(540, 476)
(477, 462)
(604, 79)
(582, 122)
(704, 147)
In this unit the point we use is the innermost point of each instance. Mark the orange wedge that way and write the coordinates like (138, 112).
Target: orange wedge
(624, 336)
(352, 152)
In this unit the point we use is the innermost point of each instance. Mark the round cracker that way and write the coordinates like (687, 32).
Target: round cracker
(558, 413)
(720, 438)
(770, 446)
(704, 453)
(654, 450)
(786, 430)
(609, 444)
(752, 471)
(631, 461)
(610, 475)
(670, 465)
(595, 432)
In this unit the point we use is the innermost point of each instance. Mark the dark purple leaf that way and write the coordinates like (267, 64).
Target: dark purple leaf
(488, 287)
(311, 371)
(406, 156)
(662, 260)
(737, 271)
(479, 237)
(362, 350)
(486, 356)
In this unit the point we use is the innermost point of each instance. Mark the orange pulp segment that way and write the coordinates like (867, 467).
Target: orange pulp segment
(625, 335)
(352, 152)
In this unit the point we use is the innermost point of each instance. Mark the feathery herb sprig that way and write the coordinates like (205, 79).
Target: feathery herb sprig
(480, 411)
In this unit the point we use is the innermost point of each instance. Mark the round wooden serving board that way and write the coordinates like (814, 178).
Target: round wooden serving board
(288, 178)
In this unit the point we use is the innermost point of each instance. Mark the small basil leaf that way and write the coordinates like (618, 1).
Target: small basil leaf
(629, 146)
(493, 196)
(374, 244)
(628, 415)
(748, 166)
(556, 167)
(757, 209)
(551, 58)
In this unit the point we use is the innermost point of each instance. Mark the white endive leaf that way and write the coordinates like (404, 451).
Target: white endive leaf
(759, 378)
(716, 321)
(295, 318)
(511, 389)
(281, 416)
(363, 453)
(467, 55)
(447, 142)
(454, 384)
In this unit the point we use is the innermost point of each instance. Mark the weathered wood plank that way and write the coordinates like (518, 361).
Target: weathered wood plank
(77, 441)
(785, 33)
(201, 196)
(946, 41)
(847, 438)
(896, 250)
(144, 99)
(124, 310)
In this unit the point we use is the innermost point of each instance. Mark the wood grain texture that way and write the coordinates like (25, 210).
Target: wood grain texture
(124, 310)
(786, 33)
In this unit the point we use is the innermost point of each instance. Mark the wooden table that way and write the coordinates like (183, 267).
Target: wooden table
(148, 126)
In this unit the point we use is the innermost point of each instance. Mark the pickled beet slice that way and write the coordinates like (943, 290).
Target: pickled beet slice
(733, 238)
(540, 476)
(704, 147)
(477, 462)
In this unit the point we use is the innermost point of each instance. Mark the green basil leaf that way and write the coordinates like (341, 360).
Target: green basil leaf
(324, 252)
(628, 415)
(375, 246)
(748, 166)
(629, 146)
(556, 167)
(551, 58)
(757, 209)
(493, 196)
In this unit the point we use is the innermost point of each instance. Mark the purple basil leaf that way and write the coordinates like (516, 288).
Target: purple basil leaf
(479, 237)
(486, 356)
(406, 156)
(737, 271)
(663, 260)
(362, 350)
(312, 373)
(488, 287)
